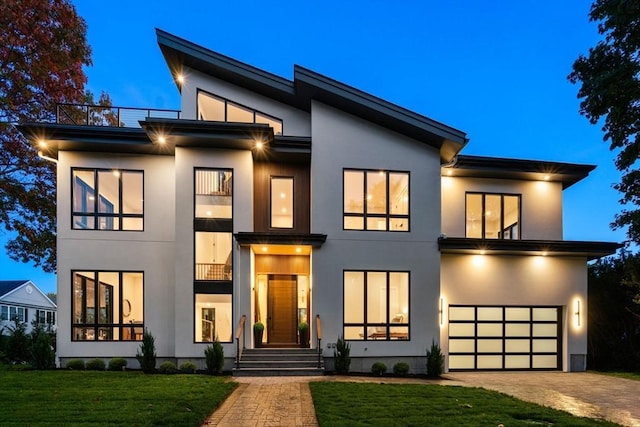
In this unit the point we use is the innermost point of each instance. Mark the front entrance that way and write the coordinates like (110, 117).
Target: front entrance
(282, 326)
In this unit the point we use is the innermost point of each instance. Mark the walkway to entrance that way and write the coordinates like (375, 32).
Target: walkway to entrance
(286, 401)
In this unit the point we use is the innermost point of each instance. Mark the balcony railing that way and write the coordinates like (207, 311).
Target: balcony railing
(213, 271)
(96, 115)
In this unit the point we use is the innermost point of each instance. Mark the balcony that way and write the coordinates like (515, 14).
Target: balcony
(96, 115)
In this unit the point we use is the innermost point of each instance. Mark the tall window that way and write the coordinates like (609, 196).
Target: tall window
(376, 200)
(107, 306)
(216, 108)
(493, 216)
(376, 305)
(213, 255)
(107, 199)
(281, 202)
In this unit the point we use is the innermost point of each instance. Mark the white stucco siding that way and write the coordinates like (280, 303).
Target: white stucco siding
(295, 122)
(541, 210)
(344, 141)
(187, 160)
(519, 281)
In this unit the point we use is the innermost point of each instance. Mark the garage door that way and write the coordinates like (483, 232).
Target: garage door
(504, 337)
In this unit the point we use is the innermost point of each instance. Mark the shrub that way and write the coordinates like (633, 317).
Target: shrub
(76, 365)
(378, 369)
(435, 361)
(96, 365)
(117, 364)
(401, 369)
(258, 327)
(19, 343)
(147, 354)
(43, 356)
(188, 368)
(214, 357)
(168, 368)
(342, 360)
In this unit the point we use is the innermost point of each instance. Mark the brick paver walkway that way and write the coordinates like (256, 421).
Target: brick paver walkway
(286, 401)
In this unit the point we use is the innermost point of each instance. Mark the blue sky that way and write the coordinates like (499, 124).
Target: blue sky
(496, 70)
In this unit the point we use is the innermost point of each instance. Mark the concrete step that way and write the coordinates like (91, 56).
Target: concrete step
(279, 361)
(267, 364)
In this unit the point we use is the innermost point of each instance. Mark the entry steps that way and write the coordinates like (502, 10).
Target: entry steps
(279, 362)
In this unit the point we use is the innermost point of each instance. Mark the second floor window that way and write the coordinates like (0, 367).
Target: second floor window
(105, 199)
(282, 202)
(493, 216)
(376, 200)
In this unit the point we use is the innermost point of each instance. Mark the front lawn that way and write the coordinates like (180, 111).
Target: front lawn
(360, 404)
(116, 398)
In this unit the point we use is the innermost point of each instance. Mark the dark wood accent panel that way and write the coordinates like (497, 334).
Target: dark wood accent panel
(262, 173)
(282, 264)
(281, 323)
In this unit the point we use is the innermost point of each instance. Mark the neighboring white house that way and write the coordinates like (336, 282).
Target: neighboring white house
(22, 300)
(284, 201)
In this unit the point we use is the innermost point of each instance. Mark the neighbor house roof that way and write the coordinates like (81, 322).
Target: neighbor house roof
(7, 286)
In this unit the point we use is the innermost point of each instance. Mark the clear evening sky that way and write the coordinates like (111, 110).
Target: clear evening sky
(494, 69)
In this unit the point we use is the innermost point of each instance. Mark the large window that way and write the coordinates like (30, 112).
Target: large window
(282, 202)
(213, 256)
(216, 108)
(493, 216)
(213, 317)
(107, 199)
(376, 305)
(107, 306)
(11, 313)
(214, 192)
(376, 200)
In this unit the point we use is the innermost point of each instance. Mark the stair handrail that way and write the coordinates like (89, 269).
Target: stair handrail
(240, 333)
(319, 338)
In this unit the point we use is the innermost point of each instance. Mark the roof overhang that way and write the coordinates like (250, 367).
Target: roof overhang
(588, 250)
(250, 238)
(518, 169)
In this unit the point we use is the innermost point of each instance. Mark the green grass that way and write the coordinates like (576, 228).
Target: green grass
(358, 404)
(628, 375)
(116, 398)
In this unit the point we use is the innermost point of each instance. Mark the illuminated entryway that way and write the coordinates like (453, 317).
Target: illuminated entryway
(282, 293)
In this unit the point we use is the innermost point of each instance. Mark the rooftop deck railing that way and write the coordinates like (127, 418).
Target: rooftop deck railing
(96, 115)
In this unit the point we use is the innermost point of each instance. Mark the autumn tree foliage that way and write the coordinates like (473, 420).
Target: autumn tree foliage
(610, 90)
(43, 49)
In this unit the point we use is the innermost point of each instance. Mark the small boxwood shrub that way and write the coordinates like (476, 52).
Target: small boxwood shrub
(96, 365)
(168, 368)
(188, 368)
(117, 364)
(378, 368)
(76, 365)
(401, 369)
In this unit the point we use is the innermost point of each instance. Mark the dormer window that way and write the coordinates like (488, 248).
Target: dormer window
(493, 216)
(215, 108)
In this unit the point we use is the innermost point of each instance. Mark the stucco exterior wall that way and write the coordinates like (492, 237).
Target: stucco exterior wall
(344, 141)
(541, 210)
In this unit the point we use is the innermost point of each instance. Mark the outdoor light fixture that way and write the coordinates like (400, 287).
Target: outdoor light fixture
(180, 78)
(577, 313)
(259, 145)
(441, 311)
(42, 143)
(162, 139)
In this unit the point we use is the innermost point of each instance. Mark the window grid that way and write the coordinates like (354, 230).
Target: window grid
(510, 231)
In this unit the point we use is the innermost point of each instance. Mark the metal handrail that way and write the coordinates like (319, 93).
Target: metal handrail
(109, 116)
(319, 338)
(240, 333)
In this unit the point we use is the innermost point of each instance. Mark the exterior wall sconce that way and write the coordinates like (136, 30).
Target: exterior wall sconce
(577, 313)
(441, 311)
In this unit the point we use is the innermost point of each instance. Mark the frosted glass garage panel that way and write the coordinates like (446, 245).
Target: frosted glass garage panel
(545, 314)
(489, 329)
(517, 330)
(490, 346)
(545, 362)
(517, 314)
(545, 346)
(545, 330)
(516, 362)
(517, 346)
(461, 362)
(461, 330)
(490, 313)
(489, 362)
(462, 313)
(461, 346)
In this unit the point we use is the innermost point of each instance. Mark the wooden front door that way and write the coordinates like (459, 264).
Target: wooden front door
(281, 324)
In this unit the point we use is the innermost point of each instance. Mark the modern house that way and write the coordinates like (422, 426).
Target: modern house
(288, 201)
(23, 301)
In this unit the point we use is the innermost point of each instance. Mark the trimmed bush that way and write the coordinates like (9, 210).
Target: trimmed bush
(96, 365)
(188, 368)
(435, 361)
(76, 365)
(42, 353)
(168, 368)
(117, 364)
(214, 357)
(146, 355)
(378, 368)
(401, 369)
(342, 360)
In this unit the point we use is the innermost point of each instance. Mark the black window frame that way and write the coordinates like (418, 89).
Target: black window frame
(503, 228)
(387, 215)
(96, 214)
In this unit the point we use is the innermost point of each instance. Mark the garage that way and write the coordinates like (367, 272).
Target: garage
(505, 337)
